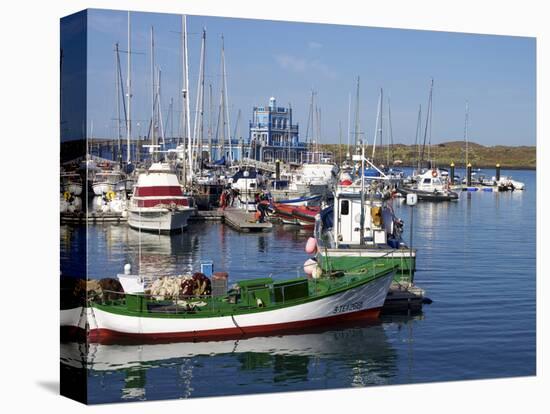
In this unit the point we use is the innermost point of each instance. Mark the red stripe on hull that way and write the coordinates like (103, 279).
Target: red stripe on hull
(107, 336)
(161, 191)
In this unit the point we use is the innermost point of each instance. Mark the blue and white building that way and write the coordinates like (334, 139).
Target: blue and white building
(272, 135)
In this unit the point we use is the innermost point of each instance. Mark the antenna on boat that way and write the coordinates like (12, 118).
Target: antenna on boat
(362, 219)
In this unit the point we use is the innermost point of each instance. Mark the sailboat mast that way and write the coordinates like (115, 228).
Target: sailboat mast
(119, 134)
(339, 141)
(417, 137)
(186, 98)
(357, 116)
(390, 130)
(466, 133)
(210, 121)
(428, 122)
(159, 111)
(381, 121)
(201, 125)
(226, 102)
(377, 128)
(199, 108)
(129, 96)
(153, 92)
(348, 155)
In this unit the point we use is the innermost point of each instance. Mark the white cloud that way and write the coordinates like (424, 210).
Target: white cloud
(302, 65)
(292, 63)
(314, 45)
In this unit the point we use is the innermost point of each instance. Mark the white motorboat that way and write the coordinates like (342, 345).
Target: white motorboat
(158, 202)
(71, 182)
(106, 181)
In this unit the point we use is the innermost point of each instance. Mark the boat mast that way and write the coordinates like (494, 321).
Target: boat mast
(226, 102)
(210, 122)
(348, 155)
(317, 146)
(159, 111)
(199, 107)
(417, 137)
(187, 124)
(466, 132)
(340, 141)
(288, 129)
(428, 122)
(153, 96)
(390, 130)
(377, 129)
(362, 218)
(357, 117)
(129, 96)
(119, 135)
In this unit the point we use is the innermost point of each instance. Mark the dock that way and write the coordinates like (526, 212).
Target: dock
(94, 217)
(485, 189)
(243, 221)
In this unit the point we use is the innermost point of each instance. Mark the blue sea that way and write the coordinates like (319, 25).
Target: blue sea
(476, 261)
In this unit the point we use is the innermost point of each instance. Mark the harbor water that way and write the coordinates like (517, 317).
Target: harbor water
(476, 261)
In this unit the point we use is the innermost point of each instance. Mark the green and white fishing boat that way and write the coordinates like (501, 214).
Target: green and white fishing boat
(343, 245)
(251, 307)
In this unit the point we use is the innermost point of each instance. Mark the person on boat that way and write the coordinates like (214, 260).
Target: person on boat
(223, 200)
(234, 195)
(262, 206)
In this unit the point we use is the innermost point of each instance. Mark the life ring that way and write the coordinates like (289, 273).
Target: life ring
(434, 173)
(66, 195)
(173, 205)
(110, 195)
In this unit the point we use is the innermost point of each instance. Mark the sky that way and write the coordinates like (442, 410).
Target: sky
(494, 75)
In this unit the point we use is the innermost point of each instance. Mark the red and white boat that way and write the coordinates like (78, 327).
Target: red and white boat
(158, 202)
(305, 215)
(302, 215)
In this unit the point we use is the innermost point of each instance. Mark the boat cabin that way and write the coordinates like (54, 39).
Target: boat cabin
(430, 181)
(378, 220)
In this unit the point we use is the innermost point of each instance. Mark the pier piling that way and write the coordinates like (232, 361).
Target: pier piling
(469, 175)
(497, 175)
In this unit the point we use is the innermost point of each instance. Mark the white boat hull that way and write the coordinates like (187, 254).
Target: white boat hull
(159, 219)
(366, 299)
(74, 189)
(102, 188)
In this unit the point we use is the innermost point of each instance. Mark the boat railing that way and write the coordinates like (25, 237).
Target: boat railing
(170, 304)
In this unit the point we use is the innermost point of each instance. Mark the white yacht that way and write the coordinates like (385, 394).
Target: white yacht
(158, 202)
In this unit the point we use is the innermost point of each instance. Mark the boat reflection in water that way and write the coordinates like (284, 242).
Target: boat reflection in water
(343, 356)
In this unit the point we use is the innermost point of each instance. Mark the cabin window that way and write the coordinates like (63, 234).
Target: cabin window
(427, 180)
(344, 207)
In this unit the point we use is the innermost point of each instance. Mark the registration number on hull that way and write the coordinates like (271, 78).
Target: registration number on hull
(348, 307)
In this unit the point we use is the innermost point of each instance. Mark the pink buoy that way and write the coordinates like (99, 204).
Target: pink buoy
(311, 245)
(309, 266)
(346, 182)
